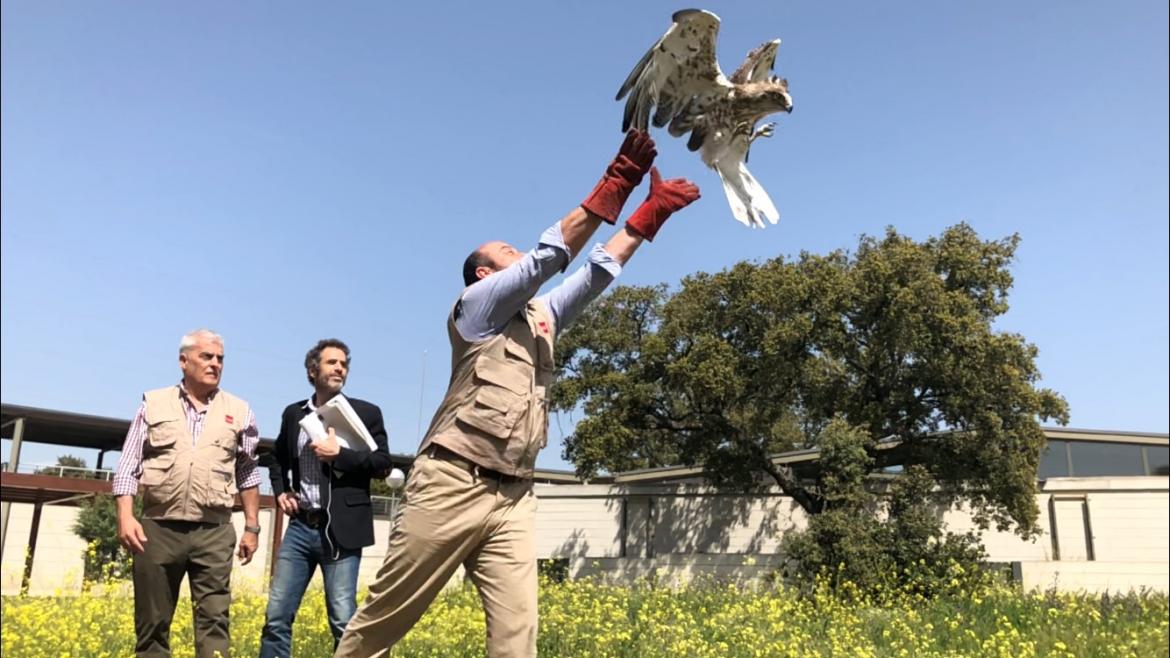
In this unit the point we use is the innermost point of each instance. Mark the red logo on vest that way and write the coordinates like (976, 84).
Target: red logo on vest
(229, 420)
(543, 327)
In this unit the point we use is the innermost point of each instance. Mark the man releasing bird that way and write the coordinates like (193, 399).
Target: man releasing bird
(680, 77)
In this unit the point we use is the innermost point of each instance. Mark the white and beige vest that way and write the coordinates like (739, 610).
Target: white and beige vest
(186, 481)
(495, 412)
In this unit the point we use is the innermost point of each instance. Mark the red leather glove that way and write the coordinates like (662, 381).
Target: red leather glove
(666, 197)
(622, 176)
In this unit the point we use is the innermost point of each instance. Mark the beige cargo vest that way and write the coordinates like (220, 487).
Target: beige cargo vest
(496, 411)
(182, 481)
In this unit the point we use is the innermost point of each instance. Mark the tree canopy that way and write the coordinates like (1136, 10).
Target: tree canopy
(894, 339)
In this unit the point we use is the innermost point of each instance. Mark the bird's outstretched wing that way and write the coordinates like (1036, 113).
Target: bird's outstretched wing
(757, 66)
(677, 75)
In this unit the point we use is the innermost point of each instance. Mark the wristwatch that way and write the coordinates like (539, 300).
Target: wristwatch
(254, 529)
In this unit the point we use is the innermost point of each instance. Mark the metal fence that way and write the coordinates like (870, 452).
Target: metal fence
(77, 472)
(385, 507)
(82, 473)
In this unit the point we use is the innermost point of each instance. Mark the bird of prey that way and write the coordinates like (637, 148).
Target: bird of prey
(680, 80)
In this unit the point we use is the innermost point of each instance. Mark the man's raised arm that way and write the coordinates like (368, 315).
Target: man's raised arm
(490, 302)
(666, 197)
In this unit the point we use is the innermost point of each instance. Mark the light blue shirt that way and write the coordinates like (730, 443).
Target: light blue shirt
(489, 304)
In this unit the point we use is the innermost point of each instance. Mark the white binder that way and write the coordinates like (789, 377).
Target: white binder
(337, 413)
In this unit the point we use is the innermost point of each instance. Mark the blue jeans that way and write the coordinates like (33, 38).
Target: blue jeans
(302, 549)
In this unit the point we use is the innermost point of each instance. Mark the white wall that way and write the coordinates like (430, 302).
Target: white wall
(1130, 527)
(574, 521)
(1098, 577)
(691, 529)
(60, 563)
(1121, 526)
(675, 569)
(708, 524)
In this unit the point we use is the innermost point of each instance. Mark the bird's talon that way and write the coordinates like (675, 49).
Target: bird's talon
(766, 130)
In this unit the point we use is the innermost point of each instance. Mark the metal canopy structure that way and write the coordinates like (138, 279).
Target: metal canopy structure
(63, 428)
(35, 489)
(102, 433)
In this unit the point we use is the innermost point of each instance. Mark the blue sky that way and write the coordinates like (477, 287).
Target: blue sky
(282, 172)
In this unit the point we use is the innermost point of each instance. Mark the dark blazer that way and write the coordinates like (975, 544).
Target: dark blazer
(351, 519)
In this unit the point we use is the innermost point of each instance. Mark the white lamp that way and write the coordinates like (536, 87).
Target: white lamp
(396, 478)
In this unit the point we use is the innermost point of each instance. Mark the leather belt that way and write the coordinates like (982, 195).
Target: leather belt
(437, 451)
(314, 518)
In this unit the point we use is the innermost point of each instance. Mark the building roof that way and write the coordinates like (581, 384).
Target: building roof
(805, 459)
(65, 428)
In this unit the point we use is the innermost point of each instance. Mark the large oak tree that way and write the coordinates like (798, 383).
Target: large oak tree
(894, 339)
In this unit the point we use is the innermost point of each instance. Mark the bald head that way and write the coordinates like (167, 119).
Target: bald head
(487, 259)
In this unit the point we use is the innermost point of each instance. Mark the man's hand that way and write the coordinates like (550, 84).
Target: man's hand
(666, 197)
(248, 544)
(130, 534)
(632, 162)
(328, 449)
(287, 503)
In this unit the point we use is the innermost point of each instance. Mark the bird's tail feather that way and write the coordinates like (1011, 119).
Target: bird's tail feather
(750, 204)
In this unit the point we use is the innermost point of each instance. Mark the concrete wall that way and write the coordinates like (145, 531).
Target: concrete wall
(577, 521)
(1129, 527)
(676, 568)
(1100, 577)
(1097, 534)
(1106, 533)
(701, 523)
(60, 563)
(601, 521)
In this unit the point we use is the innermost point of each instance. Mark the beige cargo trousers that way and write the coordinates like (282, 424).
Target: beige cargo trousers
(454, 515)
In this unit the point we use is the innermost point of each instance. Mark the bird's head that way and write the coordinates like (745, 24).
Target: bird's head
(765, 97)
(777, 92)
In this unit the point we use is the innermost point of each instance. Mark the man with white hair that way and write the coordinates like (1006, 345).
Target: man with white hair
(192, 447)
